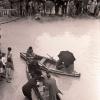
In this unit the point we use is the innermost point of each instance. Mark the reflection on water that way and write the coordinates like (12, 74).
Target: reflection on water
(78, 36)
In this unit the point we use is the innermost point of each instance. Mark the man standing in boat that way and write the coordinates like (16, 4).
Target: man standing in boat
(30, 52)
(52, 87)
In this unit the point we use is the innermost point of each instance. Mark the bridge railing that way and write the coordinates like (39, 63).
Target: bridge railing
(9, 12)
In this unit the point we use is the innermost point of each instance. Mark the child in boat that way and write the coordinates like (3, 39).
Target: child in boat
(66, 61)
(9, 69)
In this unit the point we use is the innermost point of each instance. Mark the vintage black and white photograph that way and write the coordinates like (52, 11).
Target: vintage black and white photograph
(49, 50)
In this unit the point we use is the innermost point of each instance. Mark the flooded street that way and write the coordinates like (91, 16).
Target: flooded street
(78, 36)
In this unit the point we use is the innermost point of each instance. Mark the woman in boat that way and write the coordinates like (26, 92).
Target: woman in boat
(66, 61)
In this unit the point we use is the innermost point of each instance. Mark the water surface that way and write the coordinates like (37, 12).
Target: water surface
(78, 36)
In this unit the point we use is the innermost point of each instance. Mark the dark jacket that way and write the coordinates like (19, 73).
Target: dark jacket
(26, 89)
(34, 69)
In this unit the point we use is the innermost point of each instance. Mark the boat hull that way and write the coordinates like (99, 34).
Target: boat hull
(50, 65)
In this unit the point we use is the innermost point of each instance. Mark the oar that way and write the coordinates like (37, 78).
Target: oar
(51, 57)
(43, 67)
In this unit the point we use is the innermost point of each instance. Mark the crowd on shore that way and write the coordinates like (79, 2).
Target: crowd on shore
(60, 7)
(56, 7)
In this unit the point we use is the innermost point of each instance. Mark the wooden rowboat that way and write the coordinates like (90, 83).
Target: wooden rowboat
(50, 65)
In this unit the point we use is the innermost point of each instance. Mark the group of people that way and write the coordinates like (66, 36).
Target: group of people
(59, 7)
(93, 7)
(37, 76)
(6, 64)
(66, 61)
(49, 85)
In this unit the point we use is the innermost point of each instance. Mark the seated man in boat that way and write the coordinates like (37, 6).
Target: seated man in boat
(66, 61)
(52, 87)
(34, 68)
(30, 52)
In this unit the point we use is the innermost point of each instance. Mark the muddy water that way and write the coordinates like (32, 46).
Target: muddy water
(78, 36)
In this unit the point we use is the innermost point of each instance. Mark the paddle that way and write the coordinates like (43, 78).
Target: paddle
(43, 67)
(51, 57)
